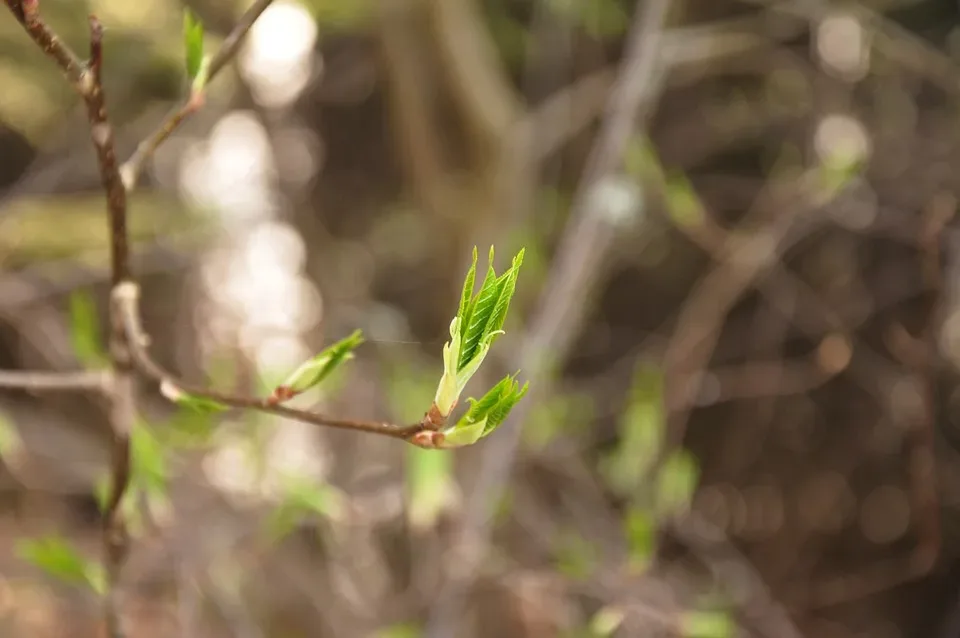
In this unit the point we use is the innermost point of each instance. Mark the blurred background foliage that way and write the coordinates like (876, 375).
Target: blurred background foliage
(338, 177)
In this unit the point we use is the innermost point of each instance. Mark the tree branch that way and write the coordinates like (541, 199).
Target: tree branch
(124, 322)
(27, 13)
(102, 135)
(116, 541)
(133, 167)
(126, 298)
(33, 381)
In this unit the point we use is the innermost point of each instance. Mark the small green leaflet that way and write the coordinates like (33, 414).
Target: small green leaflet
(482, 317)
(59, 559)
(496, 404)
(148, 459)
(606, 621)
(315, 370)
(192, 401)
(676, 483)
(486, 414)
(193, 43)
(303, 499)
(640, 529)
(707, 624)
(641, 433)
(430, 487)
(85, 331)
(464, 434)
(479, 321)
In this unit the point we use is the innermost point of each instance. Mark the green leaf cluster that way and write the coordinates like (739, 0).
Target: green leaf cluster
(479, 321)
(486, 414)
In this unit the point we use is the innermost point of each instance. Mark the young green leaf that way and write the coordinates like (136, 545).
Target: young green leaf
(478, 322)
(466, 297)
(56, 557)
(184, 399)
(489, 310)
(10, 441)
(496, 404)
(676, 482)
(575, 556)
(640, 530)
(85, 330)
(641, 432)
(304, 500)
(430, 486)
(485, 414)
(148, 460)
(316, 497)
(707, 624)
(193, 43)
(606, 621)
(315, 370)
(464, 434)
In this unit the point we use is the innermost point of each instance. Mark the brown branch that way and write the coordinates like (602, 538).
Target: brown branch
(759, 379)
(27, 13)
(35, 381)
(126, 298)
(116, 541)
(102, 135)
(132, 168)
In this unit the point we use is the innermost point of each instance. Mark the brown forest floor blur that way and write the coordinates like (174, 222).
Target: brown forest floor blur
(824, 419)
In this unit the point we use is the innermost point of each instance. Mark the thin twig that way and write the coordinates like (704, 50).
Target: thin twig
(102, 135)
(27, 13)
(126, 300)
(35, 381)
(116, 540)
(921, 457)
(133, 167)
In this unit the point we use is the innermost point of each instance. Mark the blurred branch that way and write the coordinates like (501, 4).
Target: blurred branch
(731, 568)
(33, 381)
(586, 239)
(87, 82)
(921, 355)
(126, 298)
(133, 167)
(898, 43)
(474, 71)
(411, 92)
(760, 378)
